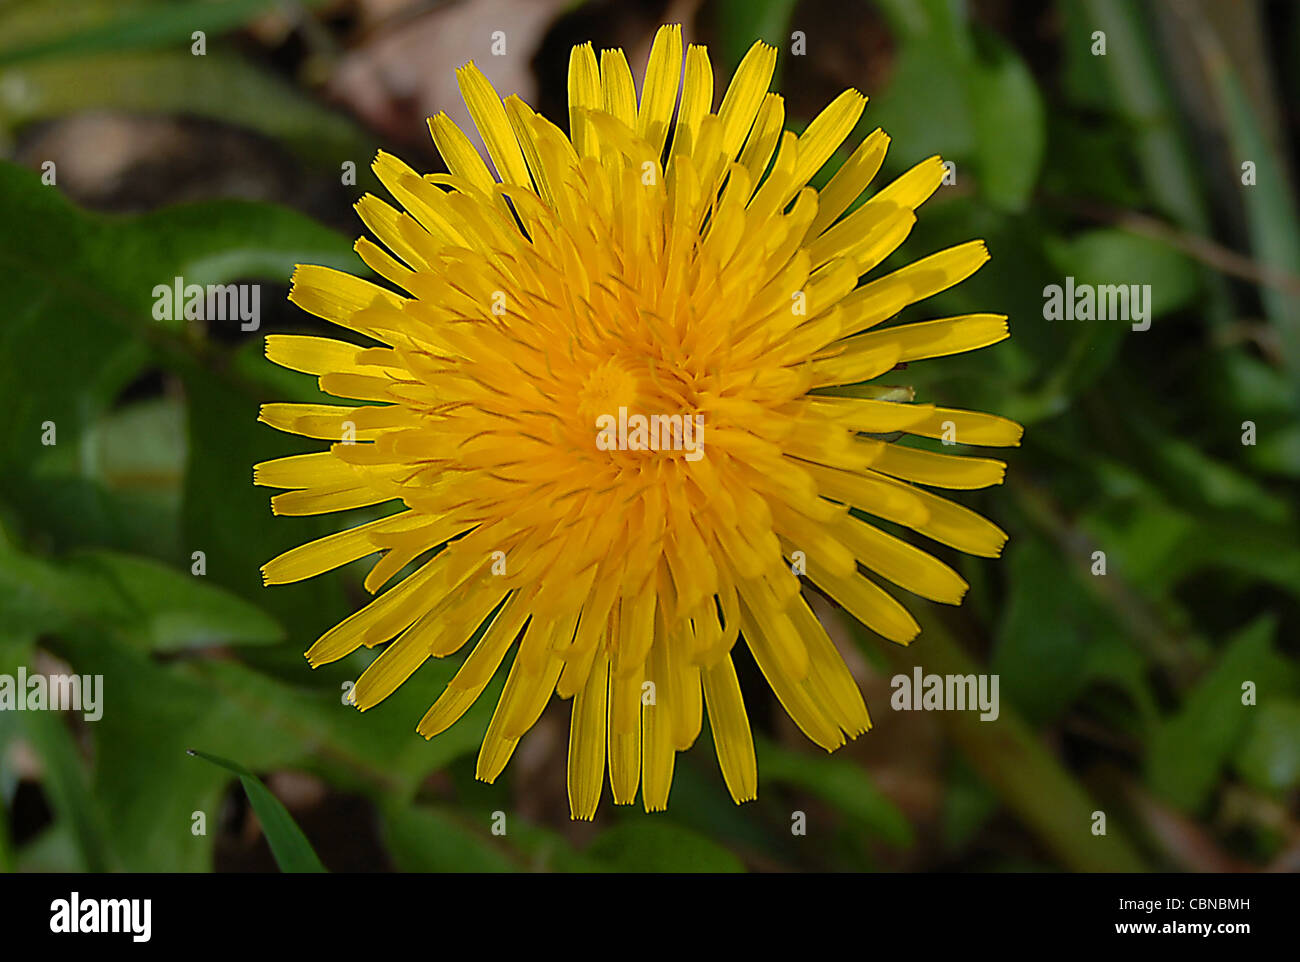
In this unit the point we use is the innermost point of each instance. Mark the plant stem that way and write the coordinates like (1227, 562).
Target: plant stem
(1011, 759)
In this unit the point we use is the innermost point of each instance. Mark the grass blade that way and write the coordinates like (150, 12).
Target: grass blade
(292, 851)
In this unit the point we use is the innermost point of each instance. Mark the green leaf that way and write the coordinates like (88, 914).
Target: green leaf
(1053, 637)
(156, 607)
(94, 277)
(1009, 125)
(107, 267)
(53, 851)
(224, 515)
(149, 25)
(1270, 756)
(1013, 760)
(1188, 749)
(741, 22)
(968, 97)
(141, 446)
(426, 839)
(1131, 80)
(78, 841)
(122, 482)
(942, 21)
(172, 611)
(65, 783)
(377, 750)
(1278, 451)
(840, 783)
(41, 597)
(1226, 520)
(925, 108)
(149, 789)
(73, 56)
(1112, 257)
(221, 86)
(292, 851)
(545, 850)
(655, 845)
(1219, 484)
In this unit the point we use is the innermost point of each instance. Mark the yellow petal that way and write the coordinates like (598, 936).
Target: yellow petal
(624, 739)
(334, 295)
(741, 101)
(657, 750)
(732, 739)
(868, 603)
(940, 470)
(969, 427)
(319, 469)
(616, 87)
(584, 96)
(848, 183)
(950, 523)
(587, 727)
(880, 299)
(763, 138)
(324, 500)
(904, 564)
(697, 99)
(311, 355)
(325, 554)
(493, 126)
(659, 92)
(826, 132)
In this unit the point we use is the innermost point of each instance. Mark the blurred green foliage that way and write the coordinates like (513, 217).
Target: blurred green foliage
(1122, 691)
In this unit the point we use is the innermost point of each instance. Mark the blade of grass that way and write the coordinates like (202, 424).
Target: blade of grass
(741, 22)
(65, 783)
(1270, 203)
(1141, 94)
(292, 851)
(147, 28)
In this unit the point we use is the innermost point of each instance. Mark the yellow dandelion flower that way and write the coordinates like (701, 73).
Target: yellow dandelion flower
(612, 401)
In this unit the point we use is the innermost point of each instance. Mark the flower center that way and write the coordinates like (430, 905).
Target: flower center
(607, 388)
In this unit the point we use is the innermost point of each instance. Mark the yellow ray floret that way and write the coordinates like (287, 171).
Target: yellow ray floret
(615, 379)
